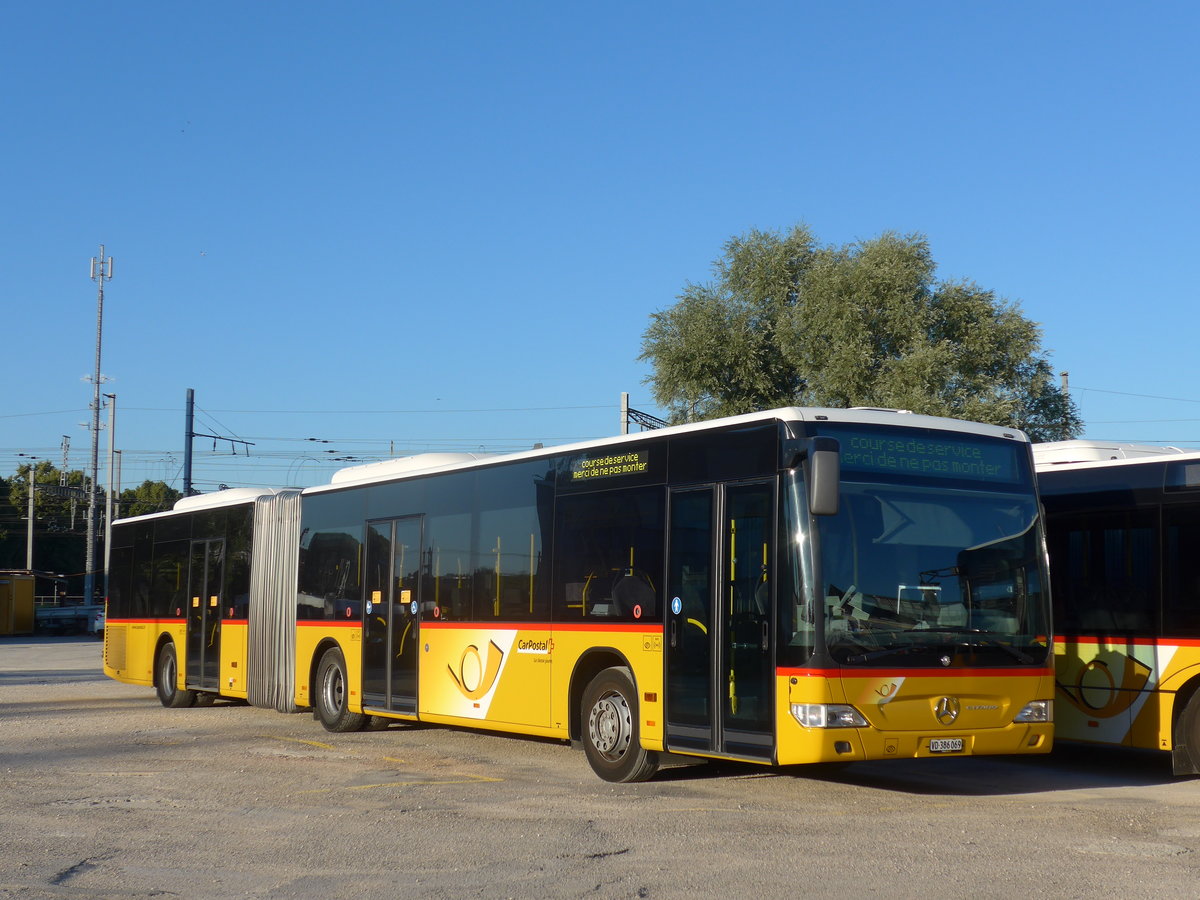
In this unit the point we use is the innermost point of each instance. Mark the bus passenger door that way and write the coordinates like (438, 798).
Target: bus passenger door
(391, 611)
(206, 567)
(719, 640)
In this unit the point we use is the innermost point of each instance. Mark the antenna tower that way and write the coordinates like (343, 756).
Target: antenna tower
(102, 268)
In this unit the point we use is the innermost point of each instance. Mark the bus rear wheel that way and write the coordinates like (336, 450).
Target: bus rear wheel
(611, 736)
(166, 681)
(333, 695)
(1187, 733)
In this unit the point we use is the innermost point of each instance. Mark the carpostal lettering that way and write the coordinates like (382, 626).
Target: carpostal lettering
(608, 466)
(526, 646)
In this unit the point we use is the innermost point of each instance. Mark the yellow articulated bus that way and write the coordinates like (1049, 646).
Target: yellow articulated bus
(1124, 536)
(794, 586)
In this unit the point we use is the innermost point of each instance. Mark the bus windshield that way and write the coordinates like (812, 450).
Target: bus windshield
(933, 576)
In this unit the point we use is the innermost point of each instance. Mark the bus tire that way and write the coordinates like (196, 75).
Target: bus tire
(332, 700)
(166, 680)
(611, 736)
(1187, 735)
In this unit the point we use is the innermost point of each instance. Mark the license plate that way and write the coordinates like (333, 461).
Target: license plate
(945, 745)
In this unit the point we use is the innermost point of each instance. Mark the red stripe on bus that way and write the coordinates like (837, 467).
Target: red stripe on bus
(172, 620)
(913, 673)
(441, 624)
(650, 627)
(1123, 639)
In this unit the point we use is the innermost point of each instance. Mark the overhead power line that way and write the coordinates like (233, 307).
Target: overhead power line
(1128, 394)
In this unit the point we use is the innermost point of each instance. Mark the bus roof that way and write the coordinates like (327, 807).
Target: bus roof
(1053, 454)
(437, 462)
(215, 500)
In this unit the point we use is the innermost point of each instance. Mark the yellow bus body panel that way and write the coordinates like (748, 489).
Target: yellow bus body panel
(640, 645)
(518, 678)
(1120, 690)
(310, 636)
(234, 642)
(901, 708)
(129, 649)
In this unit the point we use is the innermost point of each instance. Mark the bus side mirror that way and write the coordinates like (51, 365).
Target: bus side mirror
(824, 476)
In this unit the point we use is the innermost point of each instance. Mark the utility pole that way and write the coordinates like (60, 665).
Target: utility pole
(1066, 392)
(189, 419)
(108, 493)
(116, 487)
(33, 461)
(29, 537)
(637, 417)
(102, 269)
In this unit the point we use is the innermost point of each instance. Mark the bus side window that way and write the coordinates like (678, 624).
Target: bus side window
(1181, 570)
(1106, 573)
(608, 555)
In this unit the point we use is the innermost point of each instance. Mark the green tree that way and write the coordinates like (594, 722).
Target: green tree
(52, 510)
(59, 543)
(788, 321)
(148, 497)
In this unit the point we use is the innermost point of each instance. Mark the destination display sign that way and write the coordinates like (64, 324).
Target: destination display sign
(610, 465)
(931, 455)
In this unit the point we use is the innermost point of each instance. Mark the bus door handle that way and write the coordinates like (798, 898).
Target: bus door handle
(766, 635)
(674, 632)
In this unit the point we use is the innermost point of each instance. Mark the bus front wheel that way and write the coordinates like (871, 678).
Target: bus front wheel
(166, 682)
(333, 695)
(611, 736)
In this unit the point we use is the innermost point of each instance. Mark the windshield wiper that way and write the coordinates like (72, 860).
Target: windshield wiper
(977, 641)
(878, 654)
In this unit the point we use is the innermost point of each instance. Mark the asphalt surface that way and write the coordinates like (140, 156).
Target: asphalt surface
(105, 794)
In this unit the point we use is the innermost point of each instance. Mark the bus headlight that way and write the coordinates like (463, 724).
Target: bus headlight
(827, 715)
(1037, 711)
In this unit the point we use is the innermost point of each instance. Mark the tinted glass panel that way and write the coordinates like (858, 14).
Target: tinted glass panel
(169, 578)
(749, 559)
(451, 565)
(689, 670)
(725, 455)
(119, 581)
(796, 606)
(1183, 475)
(912, 574)
(515, 512)
(1181, 572)
(139, 604)
(609, 556)
(1105, 572)
(239, 535)
(330, 563)
(173, 528)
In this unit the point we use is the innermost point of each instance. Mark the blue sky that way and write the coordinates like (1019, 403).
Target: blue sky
(399, 226)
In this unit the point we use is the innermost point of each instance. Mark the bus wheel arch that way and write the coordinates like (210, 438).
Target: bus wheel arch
(591, 664)
(314, 663)
(611, 728)
(1185, 731)
(166, 677)
(331, 693)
